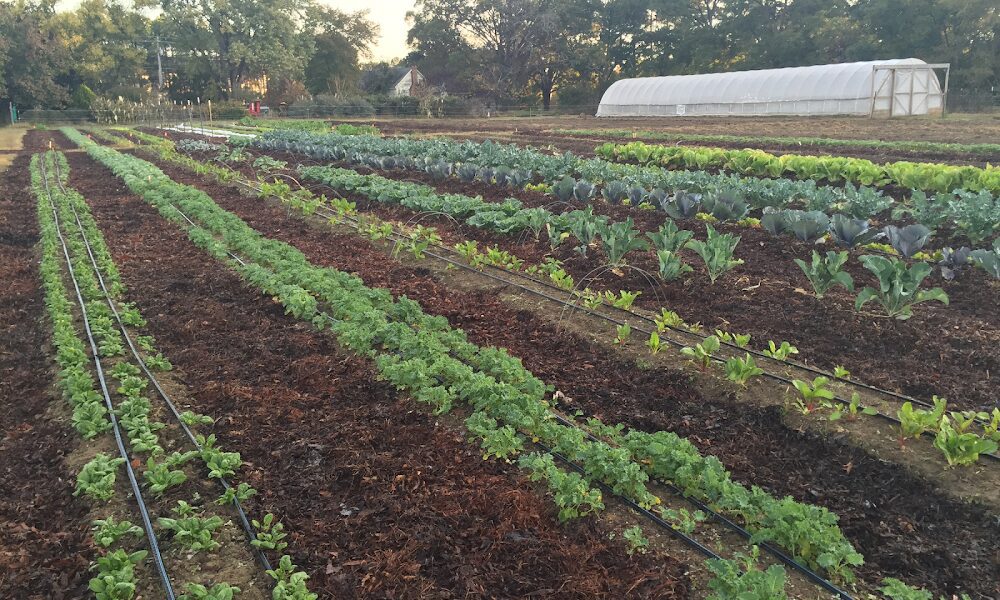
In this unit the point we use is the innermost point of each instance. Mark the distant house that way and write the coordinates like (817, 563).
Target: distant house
(410, 83)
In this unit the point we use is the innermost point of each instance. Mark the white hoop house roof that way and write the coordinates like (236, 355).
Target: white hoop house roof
(900, 86)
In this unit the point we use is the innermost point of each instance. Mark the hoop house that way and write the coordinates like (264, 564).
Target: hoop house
(907, 86)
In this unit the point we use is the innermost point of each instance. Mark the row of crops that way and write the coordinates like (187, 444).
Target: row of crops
(956, 434)
(833, 169)
(310, 204)
(962, 215)
(179, 479)
(438, 366)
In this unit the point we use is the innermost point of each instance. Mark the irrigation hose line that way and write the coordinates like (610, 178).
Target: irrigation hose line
(768, 374)
(244, 521)
(736, 348)
(660, 522)
(773, 550)
(757, 353)
(136, 491)
(397, 238)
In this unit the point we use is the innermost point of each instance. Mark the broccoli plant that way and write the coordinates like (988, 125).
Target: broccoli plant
(824, 273)
(717, 252)
(988, 260)
(899, 286)
(670, 265)
(669, 237)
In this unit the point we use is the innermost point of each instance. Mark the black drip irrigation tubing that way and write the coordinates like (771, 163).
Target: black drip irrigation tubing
(736, 348)
(136, 491)
(571, 305)
(656, 519)
(757, 353)
(507, 282)
(774, 551)
(244, 521)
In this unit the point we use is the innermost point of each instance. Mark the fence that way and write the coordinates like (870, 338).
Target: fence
(963, 101)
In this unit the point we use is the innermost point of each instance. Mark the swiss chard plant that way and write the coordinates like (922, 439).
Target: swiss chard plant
(702, 352)
(742, 370)
(914, 422)
(960, 446)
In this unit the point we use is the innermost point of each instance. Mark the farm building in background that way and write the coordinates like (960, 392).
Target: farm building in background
(890, 88)
(411, 83)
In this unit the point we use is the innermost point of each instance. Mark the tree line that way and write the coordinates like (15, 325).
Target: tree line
(205, 49)
(502, 52)
(520, 50)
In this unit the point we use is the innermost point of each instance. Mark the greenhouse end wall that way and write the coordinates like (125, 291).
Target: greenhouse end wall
(877, 88)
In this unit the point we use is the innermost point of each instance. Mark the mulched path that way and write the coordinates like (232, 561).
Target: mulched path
(902, 526)
(45, 548)
(949, 351)
(380, 500)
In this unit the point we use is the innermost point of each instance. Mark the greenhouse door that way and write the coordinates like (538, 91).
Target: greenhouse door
(908, 90)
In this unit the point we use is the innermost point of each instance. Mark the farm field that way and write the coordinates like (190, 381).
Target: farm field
(914, 139)
(407, 362)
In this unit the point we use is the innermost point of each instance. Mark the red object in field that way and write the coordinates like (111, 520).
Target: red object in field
(254, 107)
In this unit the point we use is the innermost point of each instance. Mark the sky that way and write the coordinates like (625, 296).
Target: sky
(391, 18)
(389, 14)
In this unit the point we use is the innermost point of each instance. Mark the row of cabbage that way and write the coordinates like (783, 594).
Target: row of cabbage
(976, 216)
(933, 177)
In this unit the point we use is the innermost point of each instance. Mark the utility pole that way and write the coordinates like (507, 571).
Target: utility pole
(159, 66)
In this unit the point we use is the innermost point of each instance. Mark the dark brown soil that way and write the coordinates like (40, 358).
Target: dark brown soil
(44, 542)
(379, 499)
(902, 526)
(961, 129)
(944, 350)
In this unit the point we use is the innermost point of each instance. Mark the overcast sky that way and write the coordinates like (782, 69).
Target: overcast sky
(389, 14)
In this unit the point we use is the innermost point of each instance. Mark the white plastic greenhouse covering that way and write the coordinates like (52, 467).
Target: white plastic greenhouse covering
(907, 86)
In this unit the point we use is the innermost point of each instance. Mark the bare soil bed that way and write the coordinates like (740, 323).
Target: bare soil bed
(380, 500)
(44, 543)
(901, 524)
(960, 129)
